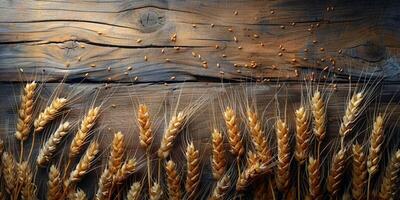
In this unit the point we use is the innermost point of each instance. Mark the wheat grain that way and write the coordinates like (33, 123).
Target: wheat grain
(155, 192)
(145, 133)
(222, 188)
(134, 191)
(54, 184)
(336, 173)
(170, 134)
(49, 148)
(25, 110)
(319, 115)
(48, 114)
(80, 137)
(351, 114)
(105, 184)
(376, 142)
(257, 136)
(26, 181)
(302, 135)
(193, 171)
(359, 172)
(126, 169)
(234, 136)
(283, 162)
(314, 178)
(173, 181)
(390, 179)
(78, 195)
(9, 172)
(117, 153)
(218, 161)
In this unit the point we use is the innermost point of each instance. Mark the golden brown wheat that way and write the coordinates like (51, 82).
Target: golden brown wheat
(314, 178)
(376, 142)
(222, 188)
(359, 172)
(173, 181)
(48, 114)
(156, 192)
(249, 174)
(54, 184)
(234, 136)
(105, 184)
(25, 110)
(336, 173)
(80, 137)
(145, 133)
(218, 161)
(193, 171)
(117, 153)
(258, 138)
(26, 181)
(49, 148)
(352, 111)
(78, 195)
(134, 191)
(283, 162)
(126, 169)
(170, 134)
(302, 135)
(9, 173)
(390, 179)
(319, 115)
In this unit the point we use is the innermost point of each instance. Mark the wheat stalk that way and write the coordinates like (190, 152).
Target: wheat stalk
(78, 195)
(173, 181)
(80, 137)
(48, 114)
(302, 135)
(25, 110)
(49, 148)
(319, 115)
(336, 172)
(145, 133)
(54, 184)
(221, 189)
(234, 136)
(9, 173)
(218, 161)
(314, 178)
(156, 192)
(134, 191)
(283, 164)
(390, 179)
(193, 171)
(117, 153)
(359, 172)
(26, 181)
(352, 111)
(170, 134)
(105, 185)
(376, 142)
(126, 169)
(258, 138)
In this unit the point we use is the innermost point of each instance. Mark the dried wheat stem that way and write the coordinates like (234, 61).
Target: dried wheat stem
(359, 172)
(156, 192)
(319, 115)
(258, 138)
(126, 169)
(78, 195)
(173, 181)
(117, 153)
(54, 184)
(376, 142)
(336, 173)
(170, 134)
(390, 179)
(314, 178)
(193, 171)
(49, 148)
(134, 191)
(351, 114)
(145, 133)
(249, 174)
(48, 114)
(26, 181)
(25, 110)
(9, 173)
(222, 188)
(234, 136)
(218, 161)
(80, 138)
(283, 162)
(302, 135)
(105, 185)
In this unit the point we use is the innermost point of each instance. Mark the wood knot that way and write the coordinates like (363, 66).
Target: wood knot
(369, 51)
(151, 20)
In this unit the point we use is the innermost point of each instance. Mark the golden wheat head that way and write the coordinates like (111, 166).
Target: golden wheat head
(170, 134)
(319, 115)
(145, 133)
(302, 135)
(234, 136)
(48, 114)
(25, 111)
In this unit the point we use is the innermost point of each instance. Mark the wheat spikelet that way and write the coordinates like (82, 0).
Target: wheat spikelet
(126, 169)
(218, 161)
(155, 192)
(319, 115)
(249, 174)
(80, 137)
(336, 173)
(9, 172)
(117, 153)
(48, 114)
(174, 127)
(302, 135)
(352, 111)
(359, 172)
(376, 142)
(105, 184)
(145, 134)
(78, 195)
(221, 189)
(173, 181)
(390, 179)
(283, 164)
(314, 178)
(134, 191)
(25, 110)
(234, 136)
(26, 181)
(252, 158)
(193, 171)
(54, 184)
(47, 151)
(258, 138)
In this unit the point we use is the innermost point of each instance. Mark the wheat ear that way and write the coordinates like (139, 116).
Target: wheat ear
(258, 138)
(234, 136)
(25, 110)
(105, 184)
(249, 174)
(49, 148)
(26, 181)
(314, 178)
(48, 114)
(173, 181)
(283, 162)
(218, 161)
(117, 153)
(78, 195)
(221, 189)
(54, 184)
(9, 173)
(352, 111)
(145, 133)
(359, 172)
(336, 173)
(80, 137)
(134, 191)
(319, 115)
(126, 169)
(390, 179)
(156, 192)
(376, 142)
(193, 171)
(302, 135)
(170, 134)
